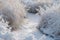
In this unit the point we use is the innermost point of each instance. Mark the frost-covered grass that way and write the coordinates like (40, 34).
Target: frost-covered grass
(28, 30)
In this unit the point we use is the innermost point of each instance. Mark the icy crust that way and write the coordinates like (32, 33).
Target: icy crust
(28, 31)
(50, 22)
(33, 6)
(4, 31)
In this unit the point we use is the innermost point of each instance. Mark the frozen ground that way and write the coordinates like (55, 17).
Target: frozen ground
(28, 30)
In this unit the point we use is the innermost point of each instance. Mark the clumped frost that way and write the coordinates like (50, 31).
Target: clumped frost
(48, 31)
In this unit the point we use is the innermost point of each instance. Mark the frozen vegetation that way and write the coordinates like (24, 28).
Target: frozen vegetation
(41, 25)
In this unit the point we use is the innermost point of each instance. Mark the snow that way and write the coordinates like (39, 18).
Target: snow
(28, 30)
